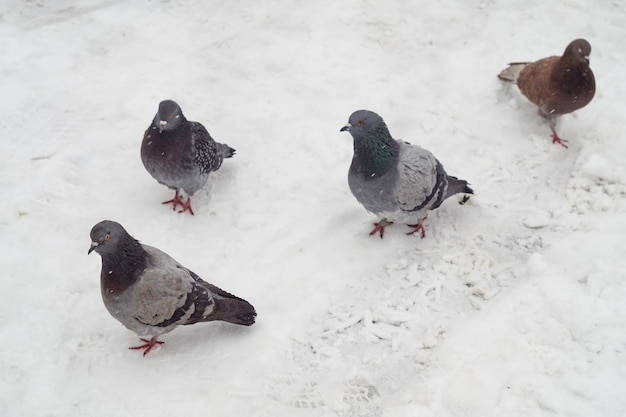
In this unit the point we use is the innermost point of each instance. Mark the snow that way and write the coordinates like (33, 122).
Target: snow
(511, 306)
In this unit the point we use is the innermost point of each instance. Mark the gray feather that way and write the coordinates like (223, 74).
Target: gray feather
(178, 153)
(151, 293)
(393, 179)
(511, 73)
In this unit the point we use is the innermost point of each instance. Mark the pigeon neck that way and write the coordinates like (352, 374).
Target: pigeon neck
(172, 125)
(573, 77)
(122, 268)
(375, 155)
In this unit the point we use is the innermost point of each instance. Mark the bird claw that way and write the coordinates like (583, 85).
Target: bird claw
(187, 207)
(557, 139)
(148, 345)
(419, 226)
(380, 227)
(177, 201)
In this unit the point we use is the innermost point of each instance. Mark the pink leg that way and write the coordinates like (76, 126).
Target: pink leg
(557, 139)
(380, 227)
(419, 226)
(176, 201)
(148, 345)
(186, 206)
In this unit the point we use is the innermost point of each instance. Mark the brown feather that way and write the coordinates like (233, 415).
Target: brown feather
(560, 85)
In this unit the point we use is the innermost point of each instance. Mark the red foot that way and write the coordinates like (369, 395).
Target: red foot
(148, 345)
(557, 139)
(187, 207)
(418, 227)
(177, 201)
(380, 227)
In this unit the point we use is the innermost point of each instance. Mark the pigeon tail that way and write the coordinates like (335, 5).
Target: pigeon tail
(456, 186)
(512, 72)
(225, 150)
(233, 310)
(229, 307)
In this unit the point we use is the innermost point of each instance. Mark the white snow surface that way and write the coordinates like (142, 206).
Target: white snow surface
(513, 304)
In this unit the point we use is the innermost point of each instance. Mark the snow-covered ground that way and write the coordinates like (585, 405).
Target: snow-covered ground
(512, 306)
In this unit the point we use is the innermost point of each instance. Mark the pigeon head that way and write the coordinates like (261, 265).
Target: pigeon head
(106, 237)
(169, 116)
(375, 151)
(579, 49)
(363, 122)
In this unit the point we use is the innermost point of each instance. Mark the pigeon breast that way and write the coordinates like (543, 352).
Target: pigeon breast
(170, 158)
(559, 85)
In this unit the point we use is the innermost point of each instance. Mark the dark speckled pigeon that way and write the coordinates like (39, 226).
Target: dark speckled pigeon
(151, 294)
(393, 179)
(558, 85)
(180, 154)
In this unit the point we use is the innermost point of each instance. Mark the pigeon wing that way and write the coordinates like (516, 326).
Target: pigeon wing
(420, 179)
(205, 148)
(535, 80)
(168, 296)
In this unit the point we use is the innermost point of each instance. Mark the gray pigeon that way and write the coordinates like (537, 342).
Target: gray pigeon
(180, 154)
(393, 179)
(557, 84)
(151, 294)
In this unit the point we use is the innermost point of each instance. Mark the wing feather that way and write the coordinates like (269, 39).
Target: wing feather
(417, 169)
(160, 293)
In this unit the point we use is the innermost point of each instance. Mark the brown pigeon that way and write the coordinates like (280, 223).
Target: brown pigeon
(558, 85)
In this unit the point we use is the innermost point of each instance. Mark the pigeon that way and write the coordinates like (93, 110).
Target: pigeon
(151, 294)
(394, 179)
(180, 154)
(558, 85)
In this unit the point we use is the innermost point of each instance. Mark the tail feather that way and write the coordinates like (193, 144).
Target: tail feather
(511, 72)
(227, 307)
(225, 150)
(456, 186)
(230, 308)
(236, 311)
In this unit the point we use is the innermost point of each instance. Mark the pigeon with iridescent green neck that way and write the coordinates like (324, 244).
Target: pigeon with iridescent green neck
(393, 179)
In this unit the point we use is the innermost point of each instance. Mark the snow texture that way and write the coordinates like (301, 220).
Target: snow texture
(512, 306)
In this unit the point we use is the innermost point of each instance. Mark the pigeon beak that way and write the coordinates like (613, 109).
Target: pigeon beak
(346, 127)
(93, 246)
(587, 59)
(162, 124)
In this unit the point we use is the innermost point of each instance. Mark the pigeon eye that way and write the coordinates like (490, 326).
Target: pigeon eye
(360, 122)
(107, 237)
